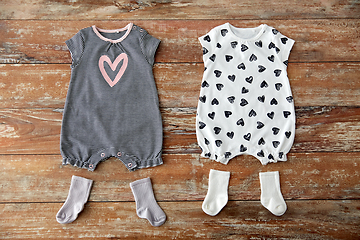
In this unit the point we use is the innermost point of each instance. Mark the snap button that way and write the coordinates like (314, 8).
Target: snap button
(130, 165)
(102, 154)
(134, 27)
(141, 30)
(91, 166)
(119, 154)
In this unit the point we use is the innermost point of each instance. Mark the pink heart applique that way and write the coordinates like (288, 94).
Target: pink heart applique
(113, 66)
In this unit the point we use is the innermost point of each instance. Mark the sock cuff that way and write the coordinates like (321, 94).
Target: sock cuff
(139, 182)
(81, 179)
(217, 173)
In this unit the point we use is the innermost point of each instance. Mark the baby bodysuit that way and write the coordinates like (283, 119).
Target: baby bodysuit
(245, 104)
(112, 106)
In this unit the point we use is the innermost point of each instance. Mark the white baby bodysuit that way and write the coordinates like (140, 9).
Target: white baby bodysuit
(245, 104)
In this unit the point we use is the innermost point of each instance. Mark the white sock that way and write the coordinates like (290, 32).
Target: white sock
(271, 197)
(78, 195)
(217, 195)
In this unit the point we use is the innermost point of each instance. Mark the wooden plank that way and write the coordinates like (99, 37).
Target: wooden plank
(182, 177)
(316, 40)
(159, 9)
(185, 220)
(313, 84)
(325, 129)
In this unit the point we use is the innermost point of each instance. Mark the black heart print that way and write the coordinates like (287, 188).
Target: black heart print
(227, 114)
(214, 102)
(208, 155)
(277, 49)
(240, 122)
(243, 102)
(286, 114)
(227, 154)
(259, 43)
(275, 31)
(249, 79)
(284, 40)
(277, 72)
(271, 45)
(217, 73)
(278, 86)
(211, 115)
(202, 125)
(234, 44)
(206, 141)
(281, 154)
(207, 38)
(243, 148)
(205, 84)
(261, 98)
(230, 134)
(276, 144)
(241, 66)
(205, 51)
(289, 99)
(231, 78)
(261, 68)
(261, 141)
(273, 102)
(228, 58)
(219, 86)
(244, 90)
(270, 115)
(212, 58)
(217, 130)
(275, 130)
(224, 32)
(261, 153)
(252, 113)
(260, 125)
(286, 62)
(271, 58)
(244, 47)
(231, 99)
(247, 136)
(288, 134)
(218, 143)
(264, 84)
(202, 99)
(218, 45)
(252, 58)
(271, 157)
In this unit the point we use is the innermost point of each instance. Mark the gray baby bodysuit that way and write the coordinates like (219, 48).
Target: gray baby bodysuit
(112, 106)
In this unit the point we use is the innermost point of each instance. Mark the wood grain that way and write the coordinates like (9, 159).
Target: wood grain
(185, 220)
(324, 129)
(181, 9)
(43, 41)
(305, 176)
(313, 84)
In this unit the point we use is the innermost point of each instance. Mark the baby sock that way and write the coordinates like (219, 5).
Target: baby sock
(217, 195)
(271, 197)
(77, 197)
(146, 205)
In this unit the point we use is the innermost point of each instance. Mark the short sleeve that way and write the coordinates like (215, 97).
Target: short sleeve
(149, 45)
(76, 46)
(283, 45)
(208, 41)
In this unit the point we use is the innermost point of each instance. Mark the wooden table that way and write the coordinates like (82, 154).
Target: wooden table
(320, 181)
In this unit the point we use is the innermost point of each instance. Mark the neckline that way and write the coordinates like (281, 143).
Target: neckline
(98, 30)
(257, 36)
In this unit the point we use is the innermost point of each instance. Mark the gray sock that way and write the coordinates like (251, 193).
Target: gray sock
(77, 197)
(146, 205)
